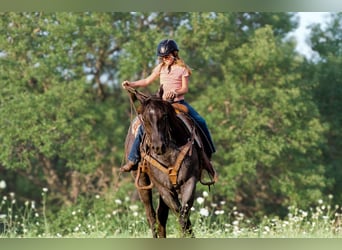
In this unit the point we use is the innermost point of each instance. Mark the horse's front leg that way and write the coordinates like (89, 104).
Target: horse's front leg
(146, 198)
(162, 216)
(187, 193)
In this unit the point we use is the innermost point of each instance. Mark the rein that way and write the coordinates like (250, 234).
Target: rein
(134, 91)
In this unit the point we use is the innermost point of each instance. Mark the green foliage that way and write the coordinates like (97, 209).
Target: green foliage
(327, 92)
(266, 152)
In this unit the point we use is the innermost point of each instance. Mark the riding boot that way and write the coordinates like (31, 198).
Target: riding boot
(209, 167)
(127, 167)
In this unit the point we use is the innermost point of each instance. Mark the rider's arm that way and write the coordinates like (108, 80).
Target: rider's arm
(143, 82)
(185, 86)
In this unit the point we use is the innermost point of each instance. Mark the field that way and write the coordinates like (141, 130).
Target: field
(111, 217)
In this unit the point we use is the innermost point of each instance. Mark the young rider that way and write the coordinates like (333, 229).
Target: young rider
(174, 76)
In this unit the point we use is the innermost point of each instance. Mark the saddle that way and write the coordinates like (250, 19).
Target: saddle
(180, 108)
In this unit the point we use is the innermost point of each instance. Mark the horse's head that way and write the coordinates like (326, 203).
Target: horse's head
(159, 119)
(155, 115)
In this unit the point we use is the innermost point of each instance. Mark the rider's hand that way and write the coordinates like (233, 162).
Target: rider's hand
(170, 95)
(125, 84)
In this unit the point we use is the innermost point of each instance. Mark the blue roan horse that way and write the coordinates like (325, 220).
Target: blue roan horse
(170, 162)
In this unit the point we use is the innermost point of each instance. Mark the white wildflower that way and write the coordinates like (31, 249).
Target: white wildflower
(45, 190)
(133, 207)
(2, 184)
(213, 204)
(200, 200)
(117, 201)
(204, 212)
(205, 194)
(219, 212)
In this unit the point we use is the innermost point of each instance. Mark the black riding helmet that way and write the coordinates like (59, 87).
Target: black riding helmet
(166, 47)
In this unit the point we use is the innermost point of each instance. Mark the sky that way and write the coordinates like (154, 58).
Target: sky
(301, 34)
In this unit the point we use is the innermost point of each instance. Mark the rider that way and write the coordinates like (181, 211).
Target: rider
(174, 76)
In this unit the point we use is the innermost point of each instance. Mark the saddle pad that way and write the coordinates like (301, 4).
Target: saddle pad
(135, 126)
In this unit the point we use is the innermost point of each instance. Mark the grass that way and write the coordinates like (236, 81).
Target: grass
(114, 217)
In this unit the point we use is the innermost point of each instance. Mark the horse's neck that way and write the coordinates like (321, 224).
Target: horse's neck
(179, 133)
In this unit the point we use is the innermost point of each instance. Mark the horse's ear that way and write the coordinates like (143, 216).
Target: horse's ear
(160, 92)
(133, 97)
(140, 97)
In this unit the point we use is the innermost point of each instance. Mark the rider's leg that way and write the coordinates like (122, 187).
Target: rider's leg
(134, 154)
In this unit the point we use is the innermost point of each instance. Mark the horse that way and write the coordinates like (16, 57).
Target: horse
(170, 162)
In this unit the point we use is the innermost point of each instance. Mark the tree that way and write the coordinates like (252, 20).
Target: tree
(267, 128)
(61, 123)
(326, 74)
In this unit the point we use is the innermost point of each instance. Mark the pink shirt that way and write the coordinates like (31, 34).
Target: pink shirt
(173, 80)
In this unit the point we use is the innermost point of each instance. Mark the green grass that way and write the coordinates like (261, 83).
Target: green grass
(119, 217)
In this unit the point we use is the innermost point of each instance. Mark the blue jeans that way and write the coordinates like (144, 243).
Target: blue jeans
(134, 154)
